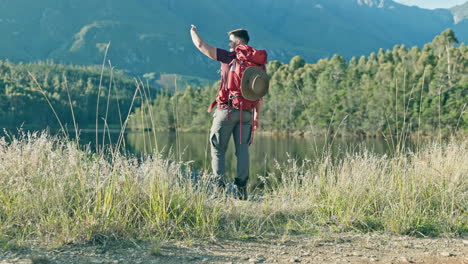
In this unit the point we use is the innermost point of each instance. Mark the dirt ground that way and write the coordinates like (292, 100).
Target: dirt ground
(319, 248)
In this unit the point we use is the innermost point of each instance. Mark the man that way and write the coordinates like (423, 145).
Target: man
(229, 120)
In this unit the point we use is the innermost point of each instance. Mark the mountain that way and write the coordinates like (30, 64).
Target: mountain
(152, 36)
(460, 12)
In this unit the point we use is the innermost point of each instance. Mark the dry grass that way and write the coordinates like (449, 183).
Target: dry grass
(55, 192)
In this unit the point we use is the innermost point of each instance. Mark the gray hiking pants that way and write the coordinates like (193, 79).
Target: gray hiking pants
(220, 134)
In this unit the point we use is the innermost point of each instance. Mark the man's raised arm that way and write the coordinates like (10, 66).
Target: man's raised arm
(206, 49)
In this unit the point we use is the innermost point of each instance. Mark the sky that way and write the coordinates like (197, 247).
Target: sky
(431, 4)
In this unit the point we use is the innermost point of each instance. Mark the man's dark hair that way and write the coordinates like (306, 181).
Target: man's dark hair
(241, 34)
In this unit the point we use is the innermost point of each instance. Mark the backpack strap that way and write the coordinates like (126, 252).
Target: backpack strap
(240, 126)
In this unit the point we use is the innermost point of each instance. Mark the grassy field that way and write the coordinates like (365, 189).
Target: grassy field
(54, 192)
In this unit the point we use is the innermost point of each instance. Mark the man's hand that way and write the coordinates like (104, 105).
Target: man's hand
(194, 28)
(256, 115)
(256, 124)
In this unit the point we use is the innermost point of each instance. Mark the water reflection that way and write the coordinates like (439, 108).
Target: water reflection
(264, 153)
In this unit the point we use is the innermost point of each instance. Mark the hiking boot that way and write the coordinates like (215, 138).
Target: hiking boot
(241, 193)
(233, 191)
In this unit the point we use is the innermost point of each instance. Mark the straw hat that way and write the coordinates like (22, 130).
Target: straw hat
(254, 84)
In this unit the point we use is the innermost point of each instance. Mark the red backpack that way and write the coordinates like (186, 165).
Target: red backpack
(230, 90)
(246, 57)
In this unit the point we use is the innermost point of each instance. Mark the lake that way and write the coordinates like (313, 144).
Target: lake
(266, 151)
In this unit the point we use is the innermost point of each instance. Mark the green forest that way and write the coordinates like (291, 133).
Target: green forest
(31, 93)
(403, 90)
(391, 91)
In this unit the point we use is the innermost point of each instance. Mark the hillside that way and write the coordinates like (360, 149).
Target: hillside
(460, 12)
(37, 94)
(152, 35)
